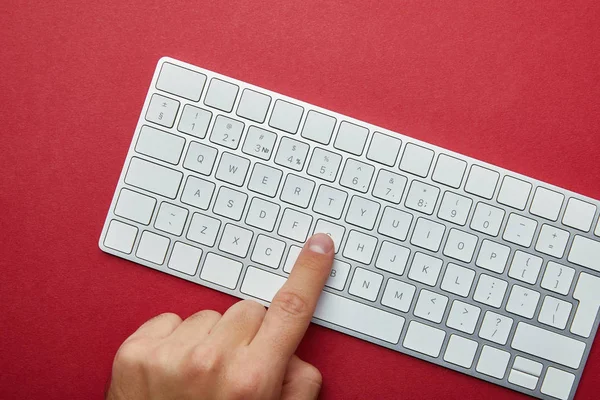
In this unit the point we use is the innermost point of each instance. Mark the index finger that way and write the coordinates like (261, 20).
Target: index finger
(292, 307)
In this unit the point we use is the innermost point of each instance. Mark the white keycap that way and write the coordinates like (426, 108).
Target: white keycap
(546, 203)
(579, 214)
(180, 81)
(493, 256)
(522, 379)
(422, 197)
(585, 252)
(463, 317)
(334, 231)
(458, 280)
(200, 158)
(425, 269)
(185, 258)
(428, 234)
(557, 278)
(331, 308)
(362, 212)
(338, 275)
(120, 236)
(357, 175)
(548, 345)
(221, 95)
(490, 290)
(230, 203)
(514, 192)
(416, 160)
(286, 116)
(460, 245)
(324, 164)
(555, 312)
(297, 190)
(227, 132)
(392, 258)
(597, 231)
(203, 229)
(162, 110)
(384, 149)
(586, 291)
(264, 180)
(395, 223)
(171, 218)
(398, 295)
(197, 192)
(291, 258)
(530, 367)
(493, 362)
(389, 186)
(351, 138)
(365, 284)
(153, 247)
(522, 301)
(487, 219)
(449, 171)
(455, 208)
(330, 201)
(291, 153)
(318, 127)
(262, 214)
(482, 182)
(557, 383)
(295, 225)
(194, 121)
(552, 241)
(235, 240)
(360, 247)
(153, 177)
(431, 306)
(221, 270)
(525, 267)
(424, 339)
(259, 143)
(232, 169)
(460, 351)
(159, 144)
(268, 251)
(519, 230)
(253, 105)
(135, 206)
(495, 327)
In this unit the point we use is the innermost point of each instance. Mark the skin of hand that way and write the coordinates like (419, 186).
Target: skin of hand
(246, 353)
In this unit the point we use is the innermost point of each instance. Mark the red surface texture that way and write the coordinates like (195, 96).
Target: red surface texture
(514, 83)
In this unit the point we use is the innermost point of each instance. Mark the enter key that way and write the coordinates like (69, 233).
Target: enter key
(586, 291)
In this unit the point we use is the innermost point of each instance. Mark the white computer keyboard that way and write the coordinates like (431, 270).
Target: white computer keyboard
(439, 256)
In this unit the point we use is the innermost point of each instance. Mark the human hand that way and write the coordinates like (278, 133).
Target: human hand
(247, 353)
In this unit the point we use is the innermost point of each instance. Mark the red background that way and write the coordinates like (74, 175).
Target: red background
(514, 83)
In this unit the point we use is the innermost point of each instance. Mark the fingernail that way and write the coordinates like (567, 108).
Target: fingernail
(320, 243)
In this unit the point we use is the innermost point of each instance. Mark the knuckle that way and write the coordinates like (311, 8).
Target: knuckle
(291, 303)
(169, 317)
(205, 315)
(159, 359)
(252, 308)
(204, 360)
(131, 354)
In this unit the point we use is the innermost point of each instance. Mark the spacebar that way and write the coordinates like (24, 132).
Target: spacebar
(331, 308)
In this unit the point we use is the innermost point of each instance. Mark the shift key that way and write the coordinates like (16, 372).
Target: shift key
(153, 177)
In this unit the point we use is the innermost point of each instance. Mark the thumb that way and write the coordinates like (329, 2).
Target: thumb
(302, 381)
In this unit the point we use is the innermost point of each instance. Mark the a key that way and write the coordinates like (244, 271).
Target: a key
(392, 258)
(153, 177)
(398, 295)
(431, 306)
(221, 95)
(291, 153)
(557, 278)
(422, 197)
(557, 383)
(254, 105)
(360, 247)
(221, 270)
(395, 223)
(552, 241)
(262, 214)
(357, 175)
(424, 339)
(324, 164)
(330, 201)
(286, 116)
(555, 312)
(232, 169)
(335, 232)
(460, 245)
(291, 258)
(428, 234)
(384, 149)
(463, 317)
(365, 284)
(268, 251)
(227, 132)
(230, 203)
(490, 290)
(455, 208)
(416, 160)
(264, 179)
(295, 225)
(482, 182)
(200, 158)
(235, 240)
(181, 81)
(259, 143)
(546, 203)
(318, 127)
(194, 121)
(362, 212)
(495, 327)
(185, 258)
(449, 171)
(586, 291)
(197, 192)
(203, 229)
(493, 256)
(487, 219)
(135, 206)
(519, 230)
(585, 252)
(458, 280)
(351, 138)
(171, 218)
(120, 236)
(153, 247)
(493, 362)
(579, 214)
(389, 186)
(460, 351)
(160, 145)
(338, 275)
(525, 267)
(522, 301)
(297, 190)
(425, 269)
(162, 110)
(514, 192)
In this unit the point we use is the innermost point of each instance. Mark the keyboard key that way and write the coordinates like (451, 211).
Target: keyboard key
(262, 214)
(460, 245)
(360, 247)
(268, 251)
(203, 229)
(416, 160)
(171, 218)
(160, 145)
(597, 231)
(232, 169)
(557, 278)
(221, 95)
(221, 270)
(395, 223)
(197, 192)
(514, 192)
(291, 153)
(525, 267)
(324, 164)
(153, 177)
(185, 258)
(230, 203)
(180, 81)
(552, 241)
(254, 105)
(455, 208)
(428, 234)
(585, 252)
(449, 171)
(522, 301)
(200, 158)
(555, 312)
(493, 362)
(351, 138)
(227, 132)
(330, 201)
(162, 110)
(519, 230)
(362, 212)
(259, 143)
(286, 116)
(532, 368)
(586, 291)
(335, 232)
(135, 206)
(120, 236)
(318, 127)
(431, 306)
(557, 383)
(235, 240)
(458, 280)
(357, 175)
(295, 225)
(424, 339)
(493, 256)
(495, 327)
(463, 317)
(365, 284)
(194, 121)
(482, 182)
(152, 247)
(579, 214)
(338, 275)
(384, 149)
(389, 186)
(425, 269)
(392, 258)
(490, 290)
(264, 180)
(487, 219)
(398, 295)
(291, 258)
(297, 190)
(546, 203)
(422, 197)
(460, 351)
